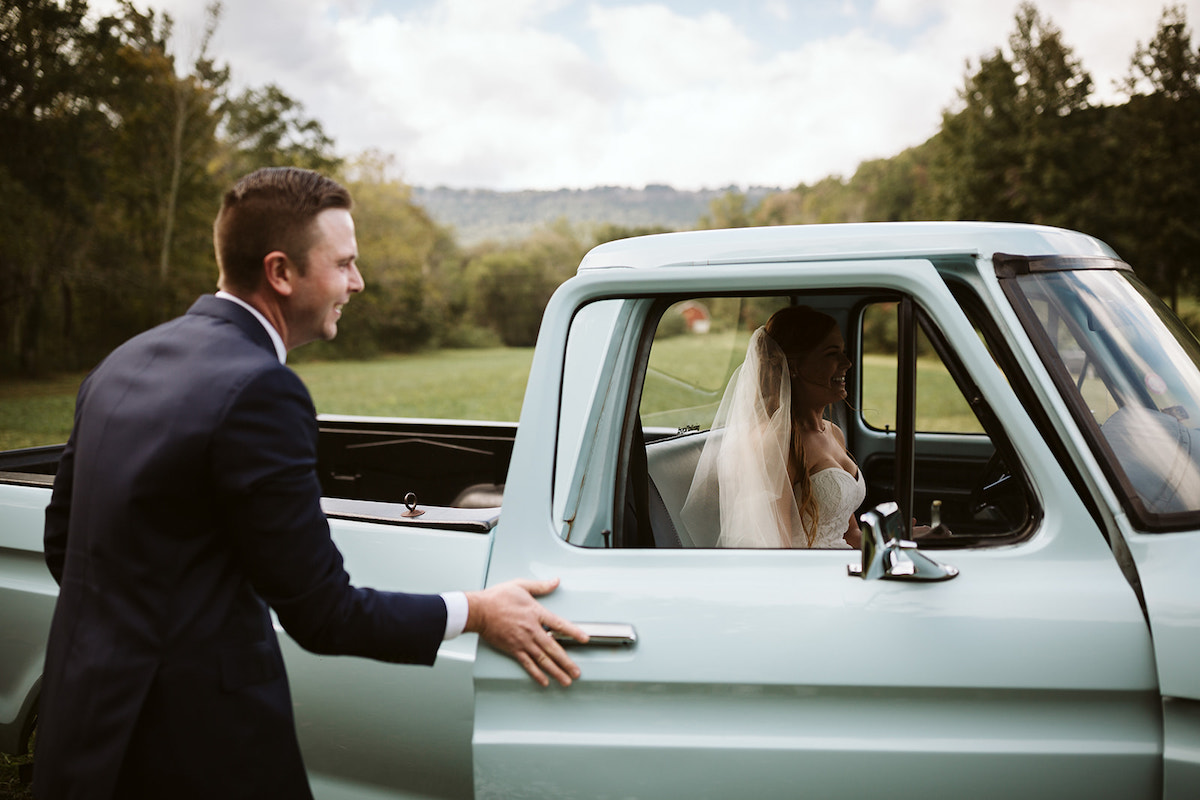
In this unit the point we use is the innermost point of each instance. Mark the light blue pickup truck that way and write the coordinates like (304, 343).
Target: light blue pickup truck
(1015, 384)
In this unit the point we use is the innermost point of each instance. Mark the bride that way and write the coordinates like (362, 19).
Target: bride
(782, 474)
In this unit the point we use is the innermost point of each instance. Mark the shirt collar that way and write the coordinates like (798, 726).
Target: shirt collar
(276, 340)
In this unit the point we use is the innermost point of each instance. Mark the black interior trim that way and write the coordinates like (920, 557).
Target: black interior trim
(1010, 266)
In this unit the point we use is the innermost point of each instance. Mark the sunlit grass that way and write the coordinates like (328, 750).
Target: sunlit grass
(487, 385)
(37, 411)
(446, 384)
(484, 384)
(940, 407)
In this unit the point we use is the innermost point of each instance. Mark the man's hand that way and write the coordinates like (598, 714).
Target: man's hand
(509, 619)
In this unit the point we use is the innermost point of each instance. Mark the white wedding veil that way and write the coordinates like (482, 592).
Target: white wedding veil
(741, 494)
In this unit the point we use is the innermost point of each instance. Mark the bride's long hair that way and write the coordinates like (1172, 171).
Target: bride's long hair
(797, 330)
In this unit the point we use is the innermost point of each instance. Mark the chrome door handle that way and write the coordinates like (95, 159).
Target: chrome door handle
(602, 634)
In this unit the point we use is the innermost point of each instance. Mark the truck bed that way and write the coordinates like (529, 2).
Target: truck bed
(454, 464)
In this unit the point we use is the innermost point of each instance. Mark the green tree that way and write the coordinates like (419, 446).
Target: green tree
(264, 127)
(828, 200)
(56, 130)
(894, 189)
(148, 247)
(977, 161)
(727, 211)
(192, 130)
(1056, 140)
(881, 190)
(510, 286)
(1158, 134)
(509, 294)
(1019, 149)
(115, 153)
(610, 232)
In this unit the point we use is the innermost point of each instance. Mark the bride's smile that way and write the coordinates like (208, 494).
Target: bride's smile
(823, 368)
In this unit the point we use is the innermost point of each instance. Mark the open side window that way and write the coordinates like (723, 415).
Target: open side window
(919, 406)
(950, 459)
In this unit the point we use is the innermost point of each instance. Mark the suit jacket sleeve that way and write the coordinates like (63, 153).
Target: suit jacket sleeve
(58, 513)
(264, 462)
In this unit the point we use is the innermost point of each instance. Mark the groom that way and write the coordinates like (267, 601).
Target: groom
(187, 506)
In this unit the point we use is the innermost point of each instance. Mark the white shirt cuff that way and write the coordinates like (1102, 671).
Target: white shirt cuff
(456, 613)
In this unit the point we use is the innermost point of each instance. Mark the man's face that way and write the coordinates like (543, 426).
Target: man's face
(332, 276)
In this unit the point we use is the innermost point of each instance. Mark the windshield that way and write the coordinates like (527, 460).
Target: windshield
(1131, 373)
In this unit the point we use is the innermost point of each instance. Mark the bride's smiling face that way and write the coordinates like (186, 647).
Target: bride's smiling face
(819, 378)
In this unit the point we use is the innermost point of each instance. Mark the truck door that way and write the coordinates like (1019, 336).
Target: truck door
(1128, 374)
(775, 673)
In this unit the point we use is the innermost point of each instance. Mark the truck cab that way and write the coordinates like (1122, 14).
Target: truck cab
(1017, 396)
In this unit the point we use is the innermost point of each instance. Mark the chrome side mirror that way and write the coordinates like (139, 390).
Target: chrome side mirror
(885, 554)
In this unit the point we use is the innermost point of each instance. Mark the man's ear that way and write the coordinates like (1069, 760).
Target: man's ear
(280, 272)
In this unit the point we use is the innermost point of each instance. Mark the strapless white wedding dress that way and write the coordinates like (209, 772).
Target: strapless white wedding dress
(837, 494)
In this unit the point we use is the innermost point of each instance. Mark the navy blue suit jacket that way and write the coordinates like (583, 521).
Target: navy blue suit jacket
(186, 503)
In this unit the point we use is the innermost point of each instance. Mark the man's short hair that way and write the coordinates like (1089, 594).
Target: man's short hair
(271, 209)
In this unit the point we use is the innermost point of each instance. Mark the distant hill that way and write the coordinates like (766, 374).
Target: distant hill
(478, 215)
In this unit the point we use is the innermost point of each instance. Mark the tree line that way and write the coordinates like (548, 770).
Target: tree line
(1025, 143)
(115, 151)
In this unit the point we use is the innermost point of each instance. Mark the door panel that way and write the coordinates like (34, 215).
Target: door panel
(366, 727)
(1166, 566)
(779, 672)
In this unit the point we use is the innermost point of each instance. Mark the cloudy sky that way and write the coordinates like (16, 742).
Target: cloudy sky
(546, 94)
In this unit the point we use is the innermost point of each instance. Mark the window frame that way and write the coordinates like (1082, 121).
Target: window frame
(1009, 269)
(905, 442)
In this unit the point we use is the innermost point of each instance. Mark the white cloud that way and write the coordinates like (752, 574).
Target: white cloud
(491, 15)
(475, 101)
(905, 13)
(778, 9)
(1105, 40)
(651, 49)
(715, 108)
(551, 93)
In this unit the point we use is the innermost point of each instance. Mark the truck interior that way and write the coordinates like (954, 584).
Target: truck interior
(964, 477)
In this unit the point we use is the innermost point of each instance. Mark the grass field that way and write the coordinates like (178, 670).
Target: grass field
(36, 412)
(446, 384)
(486, 384)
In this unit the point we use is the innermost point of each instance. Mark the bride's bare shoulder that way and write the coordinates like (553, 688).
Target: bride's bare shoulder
(837, 434)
